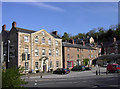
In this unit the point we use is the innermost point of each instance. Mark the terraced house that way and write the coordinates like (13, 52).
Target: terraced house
(33, 50)
(74, 54)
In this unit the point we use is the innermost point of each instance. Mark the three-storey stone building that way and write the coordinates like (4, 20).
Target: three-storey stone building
(33, 50)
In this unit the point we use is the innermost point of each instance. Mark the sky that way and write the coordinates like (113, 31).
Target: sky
(70, 17)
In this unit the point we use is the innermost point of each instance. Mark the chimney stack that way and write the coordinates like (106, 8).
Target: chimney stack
(55, 32)
(14, 24)
(114, 39)
(4, 27)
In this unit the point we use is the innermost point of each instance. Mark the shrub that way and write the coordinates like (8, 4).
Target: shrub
(11, 78)
(85, 61)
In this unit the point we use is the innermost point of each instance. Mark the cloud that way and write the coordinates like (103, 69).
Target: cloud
(38, 4)
(47, 6)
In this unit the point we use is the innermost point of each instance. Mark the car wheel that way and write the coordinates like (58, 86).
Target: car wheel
(118, 71)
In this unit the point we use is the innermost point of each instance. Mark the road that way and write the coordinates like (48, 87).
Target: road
(87, 79)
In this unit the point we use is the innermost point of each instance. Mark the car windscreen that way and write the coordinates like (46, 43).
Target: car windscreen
(118, 66)
(114, 66)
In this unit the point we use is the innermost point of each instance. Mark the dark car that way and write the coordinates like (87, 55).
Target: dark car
(88, 68)
(113, 68)
(61, 71)
(77, 68)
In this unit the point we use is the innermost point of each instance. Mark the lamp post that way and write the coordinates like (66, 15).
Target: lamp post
(8, 51)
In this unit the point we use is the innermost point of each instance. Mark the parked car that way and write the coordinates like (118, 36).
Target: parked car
(83, 68)
(61, 71)
(88, 68)
(78, 68)
(113, 68)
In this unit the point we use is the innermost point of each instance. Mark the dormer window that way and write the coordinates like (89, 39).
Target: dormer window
(36, 39)
(43, 33)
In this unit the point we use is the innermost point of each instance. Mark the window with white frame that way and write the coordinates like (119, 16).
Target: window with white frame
(68, 49)
(36, 52)
(91, 56)
(50, 52)
(26, 39)
(26, 50)
(57, 52)
(43, 51)
(49, 41)
(56, 43)
(36, 65)
(68, 56)
(36, 39)
(95, 56)
(43, 40)
(57, 63)
(26, 65)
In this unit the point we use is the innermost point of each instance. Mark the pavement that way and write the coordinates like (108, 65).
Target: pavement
(72, 74)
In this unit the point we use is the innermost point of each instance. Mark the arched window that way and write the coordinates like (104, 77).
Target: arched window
(43, 40)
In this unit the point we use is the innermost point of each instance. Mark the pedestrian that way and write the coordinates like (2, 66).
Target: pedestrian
(96, 69)
(48, 69)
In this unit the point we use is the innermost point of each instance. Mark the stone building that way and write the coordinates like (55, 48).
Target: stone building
(74, 54)
(33, 50)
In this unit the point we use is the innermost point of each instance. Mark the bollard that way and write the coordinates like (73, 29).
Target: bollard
(96, 72)
(41, 76)
(35, 82)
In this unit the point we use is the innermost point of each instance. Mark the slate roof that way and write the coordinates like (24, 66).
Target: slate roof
(32, 31)
(24, 30)
(55, 36)
(66, 44)
(111, 56)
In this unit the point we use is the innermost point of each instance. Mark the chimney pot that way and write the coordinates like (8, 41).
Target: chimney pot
(14, 24)
(4, 27)
(55, 32)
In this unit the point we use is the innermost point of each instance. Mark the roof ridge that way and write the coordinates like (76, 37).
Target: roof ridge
(24, 29)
